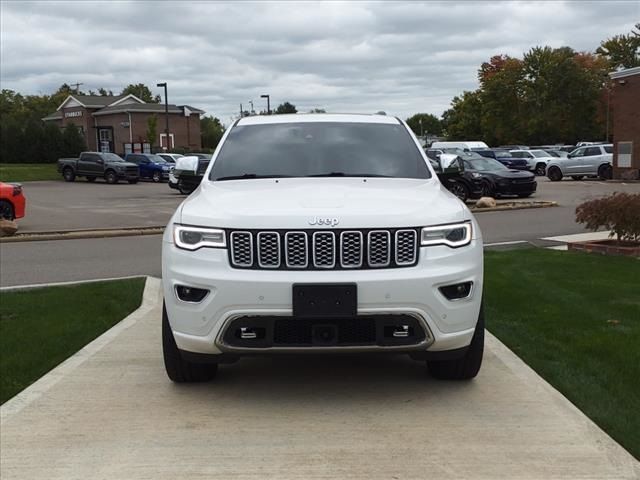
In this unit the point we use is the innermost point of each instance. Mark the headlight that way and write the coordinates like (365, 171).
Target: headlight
(476, 175)
(454, 235)
(193, 238)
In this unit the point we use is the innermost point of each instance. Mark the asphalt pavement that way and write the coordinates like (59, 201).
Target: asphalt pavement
(82, 205)
(110, 412)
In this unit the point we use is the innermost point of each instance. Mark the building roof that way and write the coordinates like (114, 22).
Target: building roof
(627, 72)
(118, 105)
(141, 108)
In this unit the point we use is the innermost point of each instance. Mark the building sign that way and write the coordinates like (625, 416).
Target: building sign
(73, 114)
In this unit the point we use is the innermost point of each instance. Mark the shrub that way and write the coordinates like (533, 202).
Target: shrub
(619, 213)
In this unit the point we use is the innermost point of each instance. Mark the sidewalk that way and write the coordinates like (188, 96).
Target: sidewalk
(111, 413)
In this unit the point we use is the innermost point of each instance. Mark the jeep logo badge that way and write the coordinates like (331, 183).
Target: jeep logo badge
(332, 222)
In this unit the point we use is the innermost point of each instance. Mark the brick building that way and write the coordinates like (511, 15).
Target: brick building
(625, 108)
(119, 123)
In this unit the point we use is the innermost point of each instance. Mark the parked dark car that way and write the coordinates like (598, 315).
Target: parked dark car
(498, 180)
(505, 158)
(92, 165)
(464, 185)
(152, 166)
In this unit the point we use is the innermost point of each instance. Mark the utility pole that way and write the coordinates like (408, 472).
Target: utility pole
(268, 103)
(252, 110)
(241, 111)
(166, 114)
(77, 84)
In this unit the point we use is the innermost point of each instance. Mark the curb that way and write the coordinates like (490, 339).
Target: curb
(80, 234)
(523, 206)
(38, 388)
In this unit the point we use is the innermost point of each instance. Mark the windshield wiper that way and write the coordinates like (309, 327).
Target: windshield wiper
(343, 174)
(250, 175)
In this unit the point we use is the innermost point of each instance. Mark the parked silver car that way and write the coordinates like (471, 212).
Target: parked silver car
(590, 160)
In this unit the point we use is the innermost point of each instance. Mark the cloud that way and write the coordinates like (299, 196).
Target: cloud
(401, 57)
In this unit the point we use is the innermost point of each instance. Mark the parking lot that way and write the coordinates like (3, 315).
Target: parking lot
(54, 206)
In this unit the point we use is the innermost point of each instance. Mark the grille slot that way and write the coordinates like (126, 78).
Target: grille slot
(379, 245)
(241, 249)
(324, 249)
(296, 250)
(406, 247)
(269, 249)
(351, 249)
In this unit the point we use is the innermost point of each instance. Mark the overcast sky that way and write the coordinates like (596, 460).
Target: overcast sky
(341, 56)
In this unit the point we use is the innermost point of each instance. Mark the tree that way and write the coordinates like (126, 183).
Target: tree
(52, 143)
(211, 131)
(286, 107)
(423, 123)
(141, 91)
(72, 141)
(152, 129)
(622, 51)
(105, 93)
(463, 121)
(317, 110)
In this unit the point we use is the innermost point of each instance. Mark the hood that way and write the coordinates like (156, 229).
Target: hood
(298, 203)
(123, 164)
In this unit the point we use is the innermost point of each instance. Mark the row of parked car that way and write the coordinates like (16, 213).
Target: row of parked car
(507, 170)
(133, 167)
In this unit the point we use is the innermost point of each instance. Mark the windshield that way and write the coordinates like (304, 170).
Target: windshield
(156, 158)
(319, 149)
(483, 164)
(539, 153)
(111, 157)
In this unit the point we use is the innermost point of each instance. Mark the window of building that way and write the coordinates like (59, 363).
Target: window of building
(625, 150)
(163, 142)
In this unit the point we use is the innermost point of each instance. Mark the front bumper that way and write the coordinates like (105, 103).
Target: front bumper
(235, 293)
(516, 188)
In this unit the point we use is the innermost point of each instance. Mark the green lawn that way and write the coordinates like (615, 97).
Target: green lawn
(40, 328)
(28, 172)
(575, 319)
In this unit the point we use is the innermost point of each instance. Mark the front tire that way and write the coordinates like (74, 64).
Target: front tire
(179, 370)
(6, 210)
(554, 174)
(541, 169)
(183, 189)
(460, 190)
(605, 172)
(466, 367)
(157, 177)
(111, 178)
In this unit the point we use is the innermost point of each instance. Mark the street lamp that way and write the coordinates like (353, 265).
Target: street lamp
(166, 114)
(268, 103)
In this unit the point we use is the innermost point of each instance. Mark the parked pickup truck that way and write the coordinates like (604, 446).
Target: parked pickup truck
(92, 165)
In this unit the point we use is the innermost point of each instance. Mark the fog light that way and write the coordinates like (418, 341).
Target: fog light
(191, 294)
(457, 291)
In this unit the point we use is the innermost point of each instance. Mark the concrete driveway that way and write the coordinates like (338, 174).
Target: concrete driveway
(111, 413)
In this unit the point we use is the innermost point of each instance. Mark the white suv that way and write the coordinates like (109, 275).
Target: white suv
(321, 233)
(590, 160)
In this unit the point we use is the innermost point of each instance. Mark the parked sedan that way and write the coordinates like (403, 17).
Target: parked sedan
(498, 180)
(12, 201)
(170, 157)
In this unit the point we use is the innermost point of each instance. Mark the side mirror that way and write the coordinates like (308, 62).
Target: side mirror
(186, 165)
(450, 163)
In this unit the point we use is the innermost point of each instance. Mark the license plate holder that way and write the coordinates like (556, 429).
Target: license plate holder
(325, 300)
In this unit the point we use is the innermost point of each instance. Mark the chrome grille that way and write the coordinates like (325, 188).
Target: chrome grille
(379, 247)
(351, 249)
(406, 247)
(324, 249)
(269, 249)
(296, 250)
(241, 249)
